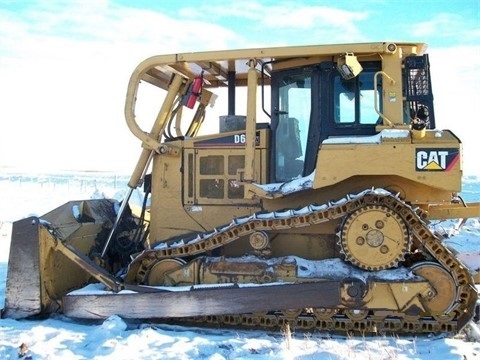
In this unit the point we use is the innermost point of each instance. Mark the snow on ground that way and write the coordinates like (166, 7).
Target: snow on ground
(59, 337)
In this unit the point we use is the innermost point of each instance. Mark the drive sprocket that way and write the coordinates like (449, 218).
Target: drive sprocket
(374, 237)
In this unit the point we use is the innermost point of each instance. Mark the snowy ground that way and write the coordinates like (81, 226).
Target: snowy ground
(61, 338)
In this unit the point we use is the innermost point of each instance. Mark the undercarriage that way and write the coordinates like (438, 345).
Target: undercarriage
(393, 274)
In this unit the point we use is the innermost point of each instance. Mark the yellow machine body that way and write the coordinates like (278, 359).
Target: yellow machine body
(311, 205)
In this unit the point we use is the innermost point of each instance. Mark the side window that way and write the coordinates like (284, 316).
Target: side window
(354, 100)
(294, 109)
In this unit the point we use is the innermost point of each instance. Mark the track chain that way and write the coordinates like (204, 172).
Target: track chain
(340, 319)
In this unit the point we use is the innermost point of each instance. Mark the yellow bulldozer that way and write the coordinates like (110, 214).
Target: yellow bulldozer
(311, 205)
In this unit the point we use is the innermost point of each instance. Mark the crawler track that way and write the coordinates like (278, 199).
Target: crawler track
(459, 311)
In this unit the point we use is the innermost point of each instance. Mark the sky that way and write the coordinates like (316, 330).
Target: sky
(65, 65)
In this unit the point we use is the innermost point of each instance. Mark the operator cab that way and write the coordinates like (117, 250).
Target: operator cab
(313, 103)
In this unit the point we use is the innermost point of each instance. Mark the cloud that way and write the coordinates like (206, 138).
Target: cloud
(285, 22)
(65, 70)
(446, 25)
(65, 66)
(280, 15)
(456, 85)
(105, 22)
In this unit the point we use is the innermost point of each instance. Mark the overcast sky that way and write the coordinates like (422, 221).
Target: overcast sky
(64, 65)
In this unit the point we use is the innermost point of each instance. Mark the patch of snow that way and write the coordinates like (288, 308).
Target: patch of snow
(289, 187)
(372, 139)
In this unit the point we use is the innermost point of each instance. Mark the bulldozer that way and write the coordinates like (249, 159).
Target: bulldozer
(310, 206)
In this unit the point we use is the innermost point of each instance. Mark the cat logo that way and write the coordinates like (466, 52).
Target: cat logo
(436, 159)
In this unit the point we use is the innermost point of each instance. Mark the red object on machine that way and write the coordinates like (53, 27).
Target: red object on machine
(193, 92)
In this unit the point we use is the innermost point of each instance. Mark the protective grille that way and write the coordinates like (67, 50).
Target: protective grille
(418, 89)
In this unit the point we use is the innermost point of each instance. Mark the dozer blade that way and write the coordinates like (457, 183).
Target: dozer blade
(23, 293)
(47, 257)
